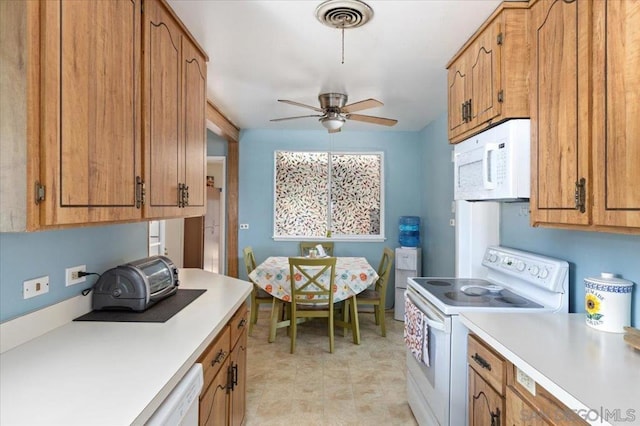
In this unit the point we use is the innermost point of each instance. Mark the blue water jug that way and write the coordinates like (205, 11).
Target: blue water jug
(409, 231)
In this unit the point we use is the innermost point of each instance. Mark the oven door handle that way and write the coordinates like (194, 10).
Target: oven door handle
(434, 324)
(429, 312)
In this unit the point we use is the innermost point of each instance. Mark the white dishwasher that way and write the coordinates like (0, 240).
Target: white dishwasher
(181, 406)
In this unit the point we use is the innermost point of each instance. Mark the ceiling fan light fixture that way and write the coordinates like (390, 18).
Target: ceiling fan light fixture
(332, 123)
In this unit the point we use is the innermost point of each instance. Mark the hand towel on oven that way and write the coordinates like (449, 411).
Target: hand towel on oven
(416, 332)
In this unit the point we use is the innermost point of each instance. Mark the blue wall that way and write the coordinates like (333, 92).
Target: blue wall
(24, 256)
(438, 241)
(257, 147)
(588, 253)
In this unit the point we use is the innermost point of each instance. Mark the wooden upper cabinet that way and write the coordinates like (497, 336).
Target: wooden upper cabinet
(457, 90)
(584, 107)
(162, 91)
(616, 113)
(560, 111)
(484, 73)
(174, 101)
(488, 79)
(90, 94)
(194, 73)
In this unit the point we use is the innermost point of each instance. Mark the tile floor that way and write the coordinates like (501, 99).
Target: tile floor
(356, 385)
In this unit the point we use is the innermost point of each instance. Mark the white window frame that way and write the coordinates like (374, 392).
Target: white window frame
(362, 238)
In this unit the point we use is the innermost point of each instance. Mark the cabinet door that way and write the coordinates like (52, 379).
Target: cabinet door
(484, 71)
(518, 412)
(616, 129)
(238, 399)
(560, 73)
(194, 148)
(90, 91)
(213, 402)
(162, 92)
(457, 92)
(486, 406)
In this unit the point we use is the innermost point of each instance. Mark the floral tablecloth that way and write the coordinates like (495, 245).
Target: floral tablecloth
(353, 275)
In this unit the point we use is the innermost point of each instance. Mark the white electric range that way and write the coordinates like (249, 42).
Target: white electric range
(516, 281)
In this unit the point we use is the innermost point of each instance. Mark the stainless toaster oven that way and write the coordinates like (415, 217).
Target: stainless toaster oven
(136, 285)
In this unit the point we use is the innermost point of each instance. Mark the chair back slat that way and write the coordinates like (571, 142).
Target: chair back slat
(305, 246)
(384, 269)
(312, 280)
(249, 259)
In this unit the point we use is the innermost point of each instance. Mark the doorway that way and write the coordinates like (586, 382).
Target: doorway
(166, 239)
(205, 236)
(214, 259)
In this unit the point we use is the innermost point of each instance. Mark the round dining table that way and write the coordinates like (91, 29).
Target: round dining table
(352, 276)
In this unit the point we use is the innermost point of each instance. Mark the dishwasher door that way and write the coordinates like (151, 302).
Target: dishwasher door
(181, 406)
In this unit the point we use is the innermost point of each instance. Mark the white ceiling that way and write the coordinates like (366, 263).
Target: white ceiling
(261, 51)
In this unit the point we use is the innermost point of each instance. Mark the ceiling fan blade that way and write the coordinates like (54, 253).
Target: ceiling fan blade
(300, 105)
(372, 119)
(334, 131)
(292, 118)
(359, 106)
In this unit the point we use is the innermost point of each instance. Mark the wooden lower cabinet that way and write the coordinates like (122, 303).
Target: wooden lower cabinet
(487, 379)
(518, 412)
(535, 407)
(486, 405)
(223, 400)
(238, 395)
(497, 398)
(213, 402)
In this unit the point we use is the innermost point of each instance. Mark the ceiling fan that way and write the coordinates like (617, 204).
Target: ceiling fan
(335, 111)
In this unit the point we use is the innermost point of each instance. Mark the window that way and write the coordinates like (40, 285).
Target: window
(338, 196)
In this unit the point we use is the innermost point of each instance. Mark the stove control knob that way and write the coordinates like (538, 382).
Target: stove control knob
(544, 273)
(492, 258)
(534, 270)
(520, 266)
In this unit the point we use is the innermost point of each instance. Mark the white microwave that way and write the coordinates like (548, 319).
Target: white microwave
(495, 164)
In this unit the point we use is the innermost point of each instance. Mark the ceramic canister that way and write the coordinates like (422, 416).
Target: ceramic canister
(608, 302)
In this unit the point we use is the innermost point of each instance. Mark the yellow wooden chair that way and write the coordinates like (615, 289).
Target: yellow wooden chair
(258, 295)
(305, 246)
(377, 296)
(309, 282)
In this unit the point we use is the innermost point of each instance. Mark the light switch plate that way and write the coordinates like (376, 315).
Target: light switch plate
(35, 287)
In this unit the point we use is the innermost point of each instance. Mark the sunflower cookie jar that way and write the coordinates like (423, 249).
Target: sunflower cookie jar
(608, 302)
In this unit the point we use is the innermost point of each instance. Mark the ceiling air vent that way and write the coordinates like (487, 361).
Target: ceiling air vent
(344, 14)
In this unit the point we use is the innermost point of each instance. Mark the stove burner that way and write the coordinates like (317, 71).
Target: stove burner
(472, 290)
(471, 299)
(439, 283)
(512, 300)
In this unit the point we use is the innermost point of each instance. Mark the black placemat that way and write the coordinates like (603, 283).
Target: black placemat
(160, 312)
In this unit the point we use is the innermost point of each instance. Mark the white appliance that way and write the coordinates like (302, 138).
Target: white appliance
(494, 165)
(181, 406)
(516, 281)
(408, 264)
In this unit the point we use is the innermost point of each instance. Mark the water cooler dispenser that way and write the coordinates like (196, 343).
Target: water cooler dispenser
(408, 260)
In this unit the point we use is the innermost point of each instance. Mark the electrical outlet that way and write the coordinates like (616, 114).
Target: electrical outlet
(526, 381)
(35, 287)
(244, 226)
(72, 277)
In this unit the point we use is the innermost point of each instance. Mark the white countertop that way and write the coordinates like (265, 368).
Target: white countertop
(100, 373)
(586, 369)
